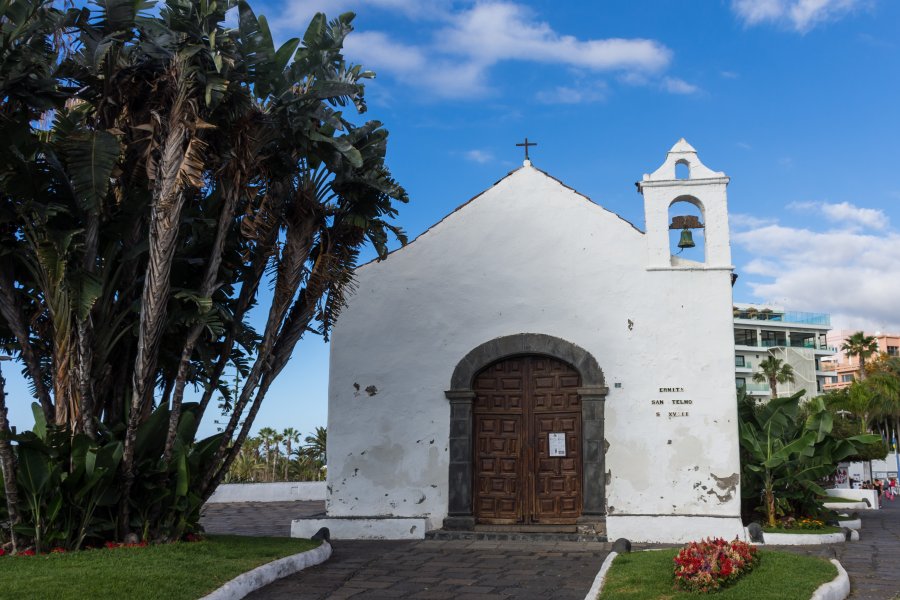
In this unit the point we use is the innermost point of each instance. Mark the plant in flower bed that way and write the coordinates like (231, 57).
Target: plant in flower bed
(801, 523)
(710, 564)
(786, 452)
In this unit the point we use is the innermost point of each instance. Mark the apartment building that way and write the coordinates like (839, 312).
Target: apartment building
(798, 338)
(846, 368)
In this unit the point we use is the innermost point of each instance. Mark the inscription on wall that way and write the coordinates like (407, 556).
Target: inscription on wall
(671, 408)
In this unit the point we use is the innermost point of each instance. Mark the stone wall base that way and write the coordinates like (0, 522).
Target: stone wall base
(673, 529)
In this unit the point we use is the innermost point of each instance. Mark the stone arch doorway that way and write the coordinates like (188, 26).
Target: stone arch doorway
(577, 382)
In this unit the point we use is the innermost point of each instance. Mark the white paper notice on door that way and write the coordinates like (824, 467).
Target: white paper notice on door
(557, 444)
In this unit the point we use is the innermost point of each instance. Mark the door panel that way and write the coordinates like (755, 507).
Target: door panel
(518, 403)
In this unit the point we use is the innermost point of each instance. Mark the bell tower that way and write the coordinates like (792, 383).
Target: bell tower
(682, 180)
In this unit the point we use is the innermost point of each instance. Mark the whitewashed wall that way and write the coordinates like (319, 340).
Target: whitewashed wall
(281, 491)
(532, 256)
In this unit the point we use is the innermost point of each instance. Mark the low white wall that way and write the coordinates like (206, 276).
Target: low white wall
(803, 539)
(362, 528)
(872, 495)
(284, 491)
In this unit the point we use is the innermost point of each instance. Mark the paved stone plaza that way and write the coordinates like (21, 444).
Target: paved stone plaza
(873, 562)
(472, 570)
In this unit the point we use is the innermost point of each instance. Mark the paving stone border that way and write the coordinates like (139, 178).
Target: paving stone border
(265, 574)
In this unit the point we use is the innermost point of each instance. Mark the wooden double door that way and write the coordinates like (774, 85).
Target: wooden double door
(527, 435)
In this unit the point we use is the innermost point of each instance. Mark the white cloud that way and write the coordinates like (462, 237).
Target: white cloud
(729, 74)
(854, 276)
(573, 95)
(479, 156)
(412, 65)
(765, 268)
(491, 32)
(390, 55)
(846, 214)
(799, 15)
(463, 42)
(673, 85)
(745, 221)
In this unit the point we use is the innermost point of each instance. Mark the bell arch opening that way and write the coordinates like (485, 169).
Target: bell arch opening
(687, 239)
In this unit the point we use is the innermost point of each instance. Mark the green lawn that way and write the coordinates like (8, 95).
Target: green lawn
(777, 576)
(172, 571)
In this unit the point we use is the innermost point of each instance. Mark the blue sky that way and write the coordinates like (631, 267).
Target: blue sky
(796, 100)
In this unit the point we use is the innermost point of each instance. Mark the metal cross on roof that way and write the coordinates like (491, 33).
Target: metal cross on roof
(526, 144)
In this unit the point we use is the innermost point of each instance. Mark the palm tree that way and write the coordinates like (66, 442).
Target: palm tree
(773, 371)
(267, 438)
(289, 437)
(316, 445)
(884, 384)
(181, 165)
(861, 345)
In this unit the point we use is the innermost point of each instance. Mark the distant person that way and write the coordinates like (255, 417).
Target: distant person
(878, 486)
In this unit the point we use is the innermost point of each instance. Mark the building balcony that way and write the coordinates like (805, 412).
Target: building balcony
(757, 389)
(797, 318)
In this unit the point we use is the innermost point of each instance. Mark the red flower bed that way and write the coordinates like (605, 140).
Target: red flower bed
(710, 564)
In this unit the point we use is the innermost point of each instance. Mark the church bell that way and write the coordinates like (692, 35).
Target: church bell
(687, 239)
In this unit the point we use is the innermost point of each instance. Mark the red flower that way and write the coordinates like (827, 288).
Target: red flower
(28, 552)
(2, 552)
(707, 565)
(58, 550)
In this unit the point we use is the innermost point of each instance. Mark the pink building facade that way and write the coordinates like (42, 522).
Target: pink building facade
(847, 367)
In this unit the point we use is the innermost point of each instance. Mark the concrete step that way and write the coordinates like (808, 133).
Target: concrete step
(516, 536)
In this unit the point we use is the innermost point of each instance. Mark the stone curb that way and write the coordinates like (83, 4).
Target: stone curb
(265, 574)
(836, 589)
(597, 586)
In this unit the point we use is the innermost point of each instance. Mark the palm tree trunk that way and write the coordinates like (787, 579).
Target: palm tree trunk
(206, 289)
(8, 467)
(265, 247)
(62, 379)
(180, 155)
(84, 331)
(83, 375)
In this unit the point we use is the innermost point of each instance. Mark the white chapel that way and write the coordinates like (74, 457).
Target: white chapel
(533, 361)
